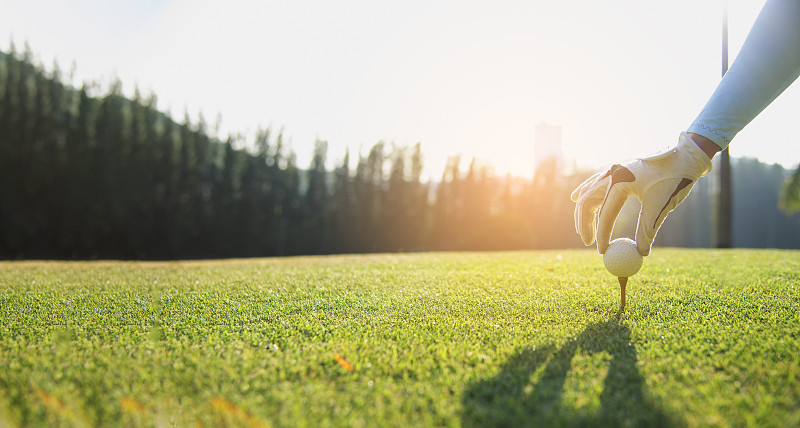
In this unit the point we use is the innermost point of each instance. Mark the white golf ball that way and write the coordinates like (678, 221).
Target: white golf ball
(622, 258)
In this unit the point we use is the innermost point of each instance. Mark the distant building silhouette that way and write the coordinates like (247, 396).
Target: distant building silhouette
(547, 145)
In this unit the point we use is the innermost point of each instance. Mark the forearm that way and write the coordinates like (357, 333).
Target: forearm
(767, 64)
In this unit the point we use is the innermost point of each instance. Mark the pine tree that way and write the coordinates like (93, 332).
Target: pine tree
(418, 203)
(396, 219)
(11, 145)
(226, 199)
(316, 225)
(449, 208)
(292, 220)
(267, 198)
(342, 212)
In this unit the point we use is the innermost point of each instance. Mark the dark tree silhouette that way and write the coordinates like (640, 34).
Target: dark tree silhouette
(89, 173)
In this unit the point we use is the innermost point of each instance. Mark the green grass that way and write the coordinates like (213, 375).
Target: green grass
(709, 338)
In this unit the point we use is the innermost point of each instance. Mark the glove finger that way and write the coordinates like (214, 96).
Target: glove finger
(589, 185)
(608, 216)
(586, 208)
(580, 189)
(644, 237)
(659, 200)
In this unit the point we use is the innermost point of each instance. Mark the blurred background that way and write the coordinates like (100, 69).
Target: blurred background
(195, 129)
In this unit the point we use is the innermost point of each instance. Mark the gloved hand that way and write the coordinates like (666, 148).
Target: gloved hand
(660, 182)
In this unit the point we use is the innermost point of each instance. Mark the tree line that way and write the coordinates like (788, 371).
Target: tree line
(98, 175)
(86, 173)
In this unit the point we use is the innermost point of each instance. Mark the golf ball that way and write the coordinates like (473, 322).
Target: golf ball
(622, 258)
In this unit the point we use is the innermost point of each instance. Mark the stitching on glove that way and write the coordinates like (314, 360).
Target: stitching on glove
(682, 185)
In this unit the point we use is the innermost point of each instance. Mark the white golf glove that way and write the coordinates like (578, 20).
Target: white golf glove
(660, 182)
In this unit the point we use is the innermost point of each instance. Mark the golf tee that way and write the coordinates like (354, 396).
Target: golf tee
(623, 281)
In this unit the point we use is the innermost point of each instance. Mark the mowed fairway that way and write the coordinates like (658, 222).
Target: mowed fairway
(709, 338)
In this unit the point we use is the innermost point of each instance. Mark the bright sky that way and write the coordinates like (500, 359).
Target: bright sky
(622, 77)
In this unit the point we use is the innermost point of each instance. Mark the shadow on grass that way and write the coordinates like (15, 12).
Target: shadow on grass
(513, 398)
